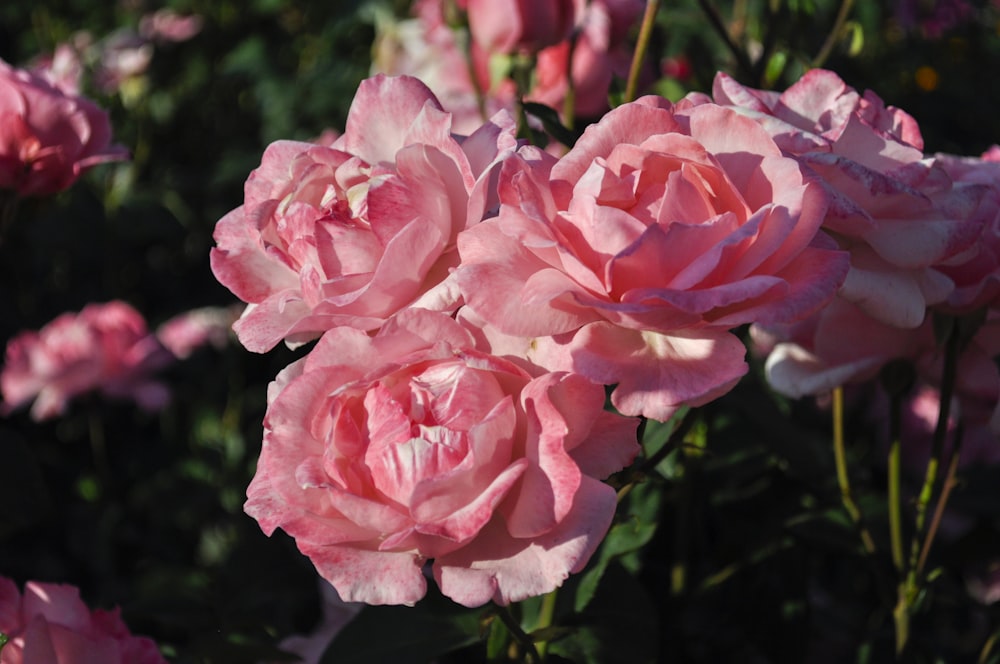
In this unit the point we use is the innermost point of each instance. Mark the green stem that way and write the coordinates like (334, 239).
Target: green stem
(895, 490)
(834, 34)
(519, 635)
(642, 45)
(984, 654)
(545, 615)
(843, 479)
(569, 102)
(901, 619)
(948, 378)
(949, 484)
(715, 19)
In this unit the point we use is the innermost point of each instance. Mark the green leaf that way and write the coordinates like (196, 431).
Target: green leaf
(552, 123)
(618, 627)
(626, 537)
(392, 634)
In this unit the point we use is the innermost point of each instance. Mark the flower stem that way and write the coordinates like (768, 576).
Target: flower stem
(715, 19)
(531, 653)
(834, 34)
(545, 614)
(949, 484)
(895, 490)
(641, 46)
(843, 479)
(948, 378)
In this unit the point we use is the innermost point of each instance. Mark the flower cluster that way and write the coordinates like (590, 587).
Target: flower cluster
(472, 295)
(106, 348)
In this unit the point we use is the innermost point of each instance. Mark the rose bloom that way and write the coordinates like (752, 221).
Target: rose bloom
(599, 53)
(507, 26)
(186, 332)
(48, 137)
(427, 48)
(384, 452)
(49, 624)
(631, 258)
(976, 271)
(843, 345)
(352, 233)
(105, 347)
(899, 214)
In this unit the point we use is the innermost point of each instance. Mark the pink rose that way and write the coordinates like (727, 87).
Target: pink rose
(427, 48)
(601, 52)
(898, 214)
(631, 258)
(165, 25)
(507, 26)
(352, 233)
(105, 347)
(49, 624)
(842, 345)
(186, 332)
(382, 453)
(48, 137)
(976, 271)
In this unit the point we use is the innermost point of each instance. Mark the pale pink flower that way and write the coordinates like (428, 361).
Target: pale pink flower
(48, 137)
(631, 258)
(976, 271)
(352, 233)
(105, 347)
(599, 52)
(898, 213)
(382, 453)
(843, 345)
(508, 26)
(186, 332)
(166, 25)
(50, 624)
(122, 55)
(426, 47)
(63, 69)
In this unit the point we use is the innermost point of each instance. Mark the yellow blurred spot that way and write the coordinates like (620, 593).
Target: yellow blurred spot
(927, 78)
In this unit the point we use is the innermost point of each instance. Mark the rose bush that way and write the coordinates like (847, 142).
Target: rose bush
(631, 258)
(381, 453)
(105, 347)
(48, 136)
(352, 233)
(49, 624)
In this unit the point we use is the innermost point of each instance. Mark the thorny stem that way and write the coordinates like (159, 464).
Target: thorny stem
(834, 34)
(642, 45)
(843, 479)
